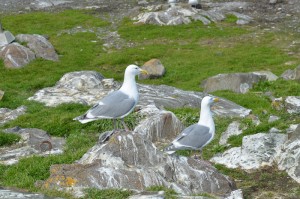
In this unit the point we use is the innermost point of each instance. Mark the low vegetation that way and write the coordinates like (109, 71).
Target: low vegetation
(190, 53)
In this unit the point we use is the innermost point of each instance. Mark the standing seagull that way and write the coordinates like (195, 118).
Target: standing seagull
(117, 104)
(196, 136)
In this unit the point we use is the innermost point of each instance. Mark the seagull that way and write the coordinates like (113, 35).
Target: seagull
(117, 104)
(198, 135)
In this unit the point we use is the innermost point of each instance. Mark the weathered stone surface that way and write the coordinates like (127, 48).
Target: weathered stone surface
(257, 151)
(159, 126)
(269, 75)
(6, 38)
(132, 160)
(12, 194)
(42, 4)
(16, 55)
(236, 82)
(289, 158)
(292, 74)
(7, 115)
(181, 14)
(88, 87)
(1, 94)
(154, 68)
(266, 149)
(148, 195)
(39, 45)
(232, 129)
(129, 160)
(292, 104)
(33, 142)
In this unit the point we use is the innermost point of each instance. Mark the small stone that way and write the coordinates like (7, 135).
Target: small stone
(293, 104)
(154, 68)
(273, 118)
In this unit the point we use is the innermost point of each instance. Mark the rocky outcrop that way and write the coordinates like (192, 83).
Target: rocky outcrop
(154, 68)
(292, 104)
(184, 14)
(88, 87)
(265, 149)
(7, 115)
(236, 82)
(33, 142)
(16, 55)
(39, 45)
(131, 160)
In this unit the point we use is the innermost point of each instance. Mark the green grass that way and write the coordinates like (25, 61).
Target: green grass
(190, 54)
(8, 139)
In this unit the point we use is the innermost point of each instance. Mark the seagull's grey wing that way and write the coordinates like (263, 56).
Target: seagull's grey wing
(193, 137)
(114, 105)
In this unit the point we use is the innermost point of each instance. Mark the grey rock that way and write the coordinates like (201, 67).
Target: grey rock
(39, 45)
(16, 55)
(129, 160)
(232, 129)
(269, 75)
(33, 142)
(155, 69)
(236, 82)
(292, 74)
(12, 194)
(257, 151)
(7, 115)
(42, 4)
(6, 38)
(292, 104)
(289, 159)
(180, 14)
(273, 118)
(236, 194)
(88, 87)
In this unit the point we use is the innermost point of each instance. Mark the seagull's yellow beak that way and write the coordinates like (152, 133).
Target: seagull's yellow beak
(144, 72)
(216, 99)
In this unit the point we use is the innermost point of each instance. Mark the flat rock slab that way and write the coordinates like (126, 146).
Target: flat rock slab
(33, 142)
(88, 87)
(7, 115)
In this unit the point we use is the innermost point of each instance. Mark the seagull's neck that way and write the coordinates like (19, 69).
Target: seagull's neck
(206, 118)
(129, 86)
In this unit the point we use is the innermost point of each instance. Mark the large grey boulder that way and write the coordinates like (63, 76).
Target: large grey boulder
(33, 142)
(16, 55)
(292, 104)
(236, 82)
(7, 115)
(132, 161)
(39, 45)
(88, 87)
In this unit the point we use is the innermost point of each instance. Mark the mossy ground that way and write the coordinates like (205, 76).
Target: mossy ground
(190, 54)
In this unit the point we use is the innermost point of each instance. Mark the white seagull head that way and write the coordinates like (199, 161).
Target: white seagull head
(133, 70)
(208, 100)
